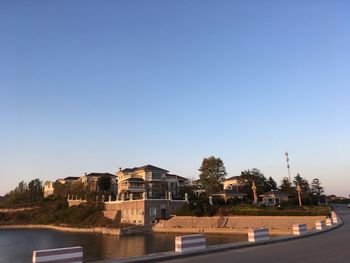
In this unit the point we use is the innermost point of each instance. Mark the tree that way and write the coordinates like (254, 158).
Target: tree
(285, 185)
(256, 176)
(303, 183)
(35, 189)
(212, 174)
(272, 185)
(316, 189)
(104, 184)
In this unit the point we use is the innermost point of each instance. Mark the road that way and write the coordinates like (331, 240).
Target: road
(333, 246)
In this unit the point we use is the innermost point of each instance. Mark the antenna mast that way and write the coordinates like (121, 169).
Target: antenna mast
(288, 167)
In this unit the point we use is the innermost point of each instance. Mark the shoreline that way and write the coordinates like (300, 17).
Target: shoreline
(96, 230)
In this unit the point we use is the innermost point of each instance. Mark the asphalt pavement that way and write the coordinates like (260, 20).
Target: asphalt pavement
(328, 247)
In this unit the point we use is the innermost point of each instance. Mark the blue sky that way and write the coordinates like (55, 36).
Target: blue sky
(90, 86)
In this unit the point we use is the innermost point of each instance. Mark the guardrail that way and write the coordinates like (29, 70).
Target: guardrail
(68, 254)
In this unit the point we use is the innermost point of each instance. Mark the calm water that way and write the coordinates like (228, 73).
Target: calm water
(17, 245)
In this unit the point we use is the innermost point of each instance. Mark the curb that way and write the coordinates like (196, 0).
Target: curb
(163, 256)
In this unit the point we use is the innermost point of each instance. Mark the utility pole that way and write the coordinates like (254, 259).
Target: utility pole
(288, 167)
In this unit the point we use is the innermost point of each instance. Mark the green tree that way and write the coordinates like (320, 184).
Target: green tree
(286, 186)
(104, 184)
(316, 189)
(303, 183)
(256, 176)
(272, 185)
(35, 189)
(212, 174)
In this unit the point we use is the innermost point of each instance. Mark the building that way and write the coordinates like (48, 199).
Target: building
(48, 188)
(175, 182)
(68, 180)
(235, 183)
(274, 198)
(227, 194)
(91, 180)
(150, 180)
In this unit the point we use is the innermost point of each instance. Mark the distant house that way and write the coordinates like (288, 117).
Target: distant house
(68, 180)
(175, 182)
(48, 188)
(90, 181)
(198, 187)
(236, 183)
(150, 180)
(274, 198)
(227, 194)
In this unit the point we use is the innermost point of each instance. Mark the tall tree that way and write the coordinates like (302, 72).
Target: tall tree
(317, 189)
(212, 174)
(303, 183)
(272, 185)
(104, 184)
(256, 176)
(285, 185)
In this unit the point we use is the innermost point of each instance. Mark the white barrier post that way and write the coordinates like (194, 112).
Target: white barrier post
(328, 221)
(68, 254)
(258, 234)
(299, 229)
(320, 225)
(190, 243)
(334, 218)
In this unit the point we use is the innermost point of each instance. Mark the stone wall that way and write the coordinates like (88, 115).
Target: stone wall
(234, 224)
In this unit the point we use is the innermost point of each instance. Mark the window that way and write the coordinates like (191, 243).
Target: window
(156, 175)
(134, 212)
(152, 211)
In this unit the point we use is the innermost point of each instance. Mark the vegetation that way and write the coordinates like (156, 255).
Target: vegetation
(25, 194)
(55, 211)
(212, 174)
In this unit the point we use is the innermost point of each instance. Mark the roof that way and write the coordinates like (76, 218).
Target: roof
(234, 178)
(134, 179)
(71, 178)
(228, 192)
(177, 176)
(274, 193)
(145, 167)
(99, 174)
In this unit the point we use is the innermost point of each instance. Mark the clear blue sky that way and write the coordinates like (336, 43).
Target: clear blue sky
(90, 86)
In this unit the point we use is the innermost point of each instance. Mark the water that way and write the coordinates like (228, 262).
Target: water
(18, 245)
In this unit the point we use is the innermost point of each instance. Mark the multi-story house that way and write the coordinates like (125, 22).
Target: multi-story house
(91, 180)
(175, 182)
(150, 180)
(236, 183)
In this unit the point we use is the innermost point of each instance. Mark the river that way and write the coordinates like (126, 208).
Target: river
(17, 245)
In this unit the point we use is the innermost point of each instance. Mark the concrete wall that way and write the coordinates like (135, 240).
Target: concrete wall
(234, 224)
(143, 211)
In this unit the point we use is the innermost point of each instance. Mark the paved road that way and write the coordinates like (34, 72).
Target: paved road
(333, 246)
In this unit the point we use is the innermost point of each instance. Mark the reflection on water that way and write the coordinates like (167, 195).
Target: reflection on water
(17, 245)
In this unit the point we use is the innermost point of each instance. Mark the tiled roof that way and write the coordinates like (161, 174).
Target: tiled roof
(71, 178)
(145, 167)
(274, 193)
(99, 174)
(234, 178)
(177, 176)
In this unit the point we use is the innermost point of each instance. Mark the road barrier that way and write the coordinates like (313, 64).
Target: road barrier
(320, 225)
(334, 218)
(299, 229)
(190, 243)
(258, 234)
(67, 255)
(329, 221)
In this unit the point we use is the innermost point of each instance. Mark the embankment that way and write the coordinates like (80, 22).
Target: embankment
(97, 230)
(277, 225)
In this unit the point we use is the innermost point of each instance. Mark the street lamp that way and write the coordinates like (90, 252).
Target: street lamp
(299, 195)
